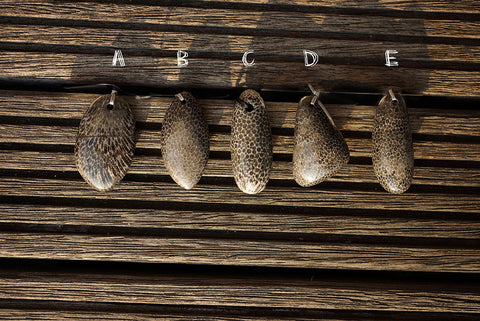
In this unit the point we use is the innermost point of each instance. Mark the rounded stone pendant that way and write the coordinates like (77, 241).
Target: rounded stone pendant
(105, 142)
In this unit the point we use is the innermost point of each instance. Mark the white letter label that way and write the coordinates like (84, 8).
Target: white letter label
(244, 59)
(313, 54)
(388, 58)
(118, 56)
(181, 61)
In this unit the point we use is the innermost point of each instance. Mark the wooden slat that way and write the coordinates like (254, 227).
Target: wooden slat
(144, 39)
(217, 194)
(148, 71)
(153, 165)
(17, 314)
(221, 142)
(242, 19)
(237, 292)
(320, 223)
(349, 117)
(237, 252)
(470, 6)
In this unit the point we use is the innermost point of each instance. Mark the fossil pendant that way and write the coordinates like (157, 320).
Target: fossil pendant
(392, 155)
(319, 149)
(105, 142)
(185, 140)
(251, 143)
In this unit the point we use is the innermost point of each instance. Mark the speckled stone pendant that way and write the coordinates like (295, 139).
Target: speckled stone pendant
(392, 154)
(185, 140)
(319, 148)
(251, 143)
(105, 142)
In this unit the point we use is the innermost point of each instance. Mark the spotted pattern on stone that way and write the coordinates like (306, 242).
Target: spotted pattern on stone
(251, 143)
(185, 140)
(392, 154)
(319, 148)
(105, 142)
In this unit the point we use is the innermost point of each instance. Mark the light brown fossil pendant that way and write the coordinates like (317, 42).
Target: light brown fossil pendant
(319, 149)
(392, 154)
(185, 140)
(251, 143)
(105, 142)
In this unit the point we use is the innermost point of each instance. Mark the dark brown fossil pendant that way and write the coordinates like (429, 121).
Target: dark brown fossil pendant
(251, 143)
(392, 154)
(105, 142)
(319, 150)
(185, 140)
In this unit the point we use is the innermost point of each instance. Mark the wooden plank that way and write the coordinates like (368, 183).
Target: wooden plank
(229, 194)
(153, 165)
(239, 292)
(146, 40)
(468, 6)
(163, 72)
(175, 15)
(17, 314)
(187, 250)
(359, 147)
(262, 222)
(348, 117)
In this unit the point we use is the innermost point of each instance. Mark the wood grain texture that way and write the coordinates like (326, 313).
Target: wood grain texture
(134, 41)
(163, 72)
(153, 165)
(235, 292)
(236, 221)
(150, 139)
(21, 315)
(228, 194)
(347, 117)
(470, 6)
(175, 15)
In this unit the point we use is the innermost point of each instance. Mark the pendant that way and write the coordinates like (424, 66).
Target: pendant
(319, 150)
(105, 142)
(251, 143)
(392, 154)
(185, 140)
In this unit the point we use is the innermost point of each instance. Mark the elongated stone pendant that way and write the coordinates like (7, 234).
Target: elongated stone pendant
(251, 143)
(105, 142)
(319, 149)
(392, 154)
(185, 140)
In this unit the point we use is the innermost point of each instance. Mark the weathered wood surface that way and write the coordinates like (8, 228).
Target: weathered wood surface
(75, 41)
(344, 250)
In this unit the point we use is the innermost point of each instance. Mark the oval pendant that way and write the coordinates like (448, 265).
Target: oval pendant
(105, 142)
(319, 148)
(185, 140)
(251, 143)
(392, 154)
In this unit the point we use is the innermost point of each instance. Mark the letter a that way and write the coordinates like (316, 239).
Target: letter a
(181, 61)
(118, 56)
(309, 53)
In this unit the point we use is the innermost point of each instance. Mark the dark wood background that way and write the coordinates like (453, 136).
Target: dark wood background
(343, 250)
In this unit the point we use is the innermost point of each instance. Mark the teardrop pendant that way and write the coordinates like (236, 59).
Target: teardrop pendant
(185, 140)
(105, 142)
(319, 148)
(392, 154)
(251, 143)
